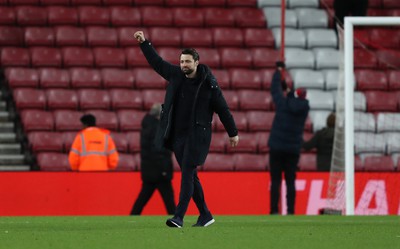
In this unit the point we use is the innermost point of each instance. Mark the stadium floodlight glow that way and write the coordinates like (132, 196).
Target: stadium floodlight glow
(349, 23)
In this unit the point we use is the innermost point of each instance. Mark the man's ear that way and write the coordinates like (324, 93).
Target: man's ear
(196, 63)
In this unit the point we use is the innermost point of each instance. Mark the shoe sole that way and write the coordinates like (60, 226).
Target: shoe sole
(209, 223)
(170, 223)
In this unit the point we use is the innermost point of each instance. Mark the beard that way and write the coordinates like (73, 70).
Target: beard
(187, 71)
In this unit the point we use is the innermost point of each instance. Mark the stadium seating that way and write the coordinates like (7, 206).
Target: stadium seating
(22, 77)
(85, 78)
(44, 141)
(218, 162)
(37, 120)
(378, 163)
(105, 119)
(117, 78)
(126, 162)
(39, 36)
(93, 99)
(250, 162)
(77, 57)
(133, 138)
(45, 57)
(53, 161)
(196, 37)
(62, 99)
(54, 78)
(125, 16)
(125, 99)
(62, 15)
(67, 120)
(70, 36)
(121, 141)
(130, 120)
(101, 36)
(15, 57)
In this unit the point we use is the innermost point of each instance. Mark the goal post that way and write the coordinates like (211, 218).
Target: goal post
(349, 23)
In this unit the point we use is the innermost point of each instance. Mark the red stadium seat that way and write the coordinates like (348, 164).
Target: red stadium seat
(62, 99)
(251, 162)
(40, 141)
(240, 119)
(38, 36)
(218, 162)
(151, 97)
(179, 3)
(29, 98)
(241, 3)
(31, 15)
(54, 2)
(70, 36)
(235, 57)
(7, 16)
(67, 120)
(86, 2)
(188, 17)
(255, 37)
(365, 59)
(219, 17)
(117, 78)
(60, 15)
(393, 78)
(153, 16)
(92, 15)
(54, 78)
(45, 57)
(211, 3)
(388, 59)
(165, 36)
(249, 17)
(385, 37)
(232, 99)
(22, 77)
(223, 78)
(388, 4)
(53, 161)
(133, 139)
(255, 100)
(109, 57)
(210, 57)
(371, 80)
(77, 57)
(260, 121)
(245, 79)
(147, 78)
(20, 2)
(358, 165)
(149, 2)
(101, 36)
(126, 162)
(68, 139)
(85, 78)
(118, 2)
(218, 142)
(93, 99)
(227, 37)
(171, 55)
(262, 141)
(307, 162)
(135, 57)
(264, 57)
(126, 38)
(120, 140)
(130, 120)
(378, 163)
(196, 37)
(247, 144)
(15, 57)
(381, 101)
(37, 120)
(105, 119)
(11, 36)
(126, 99)
(125, 16)
(361, 37)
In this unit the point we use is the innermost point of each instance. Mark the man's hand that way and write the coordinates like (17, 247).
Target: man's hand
(234, 141)
(139, 36)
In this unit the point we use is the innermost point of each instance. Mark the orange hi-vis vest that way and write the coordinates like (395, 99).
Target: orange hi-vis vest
(93, 150)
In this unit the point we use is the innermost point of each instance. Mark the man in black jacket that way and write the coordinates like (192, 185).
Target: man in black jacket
(285, 139)
(155, 166)
(192, 96)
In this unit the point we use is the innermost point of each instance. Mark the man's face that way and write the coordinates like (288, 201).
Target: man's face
(188, 64)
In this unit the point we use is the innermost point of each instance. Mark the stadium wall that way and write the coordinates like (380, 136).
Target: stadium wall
(241, 193)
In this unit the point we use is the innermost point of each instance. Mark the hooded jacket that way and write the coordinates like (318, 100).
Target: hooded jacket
(290, 116)
(208, 99)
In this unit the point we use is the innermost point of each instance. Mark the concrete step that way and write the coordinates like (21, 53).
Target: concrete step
(12, 159)
(8, 137)
(3, 106)
(4, 116)
(15, 167)
(10, 148)
(6, 127)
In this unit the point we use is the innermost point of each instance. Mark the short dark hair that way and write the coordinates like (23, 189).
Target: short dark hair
(331, 120)
(192, 52)
(88, 120)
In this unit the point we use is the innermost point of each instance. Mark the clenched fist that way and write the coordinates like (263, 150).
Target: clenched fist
(139, 36)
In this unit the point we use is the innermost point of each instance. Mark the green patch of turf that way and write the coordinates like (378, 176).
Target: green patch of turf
(299, 232)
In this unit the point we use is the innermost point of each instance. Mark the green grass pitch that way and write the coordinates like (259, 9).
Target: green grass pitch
(289, 232)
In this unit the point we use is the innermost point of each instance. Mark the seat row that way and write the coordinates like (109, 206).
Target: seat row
(137, 78)
(229, 57)
(130, 120)
(147, 16)
(93, 36)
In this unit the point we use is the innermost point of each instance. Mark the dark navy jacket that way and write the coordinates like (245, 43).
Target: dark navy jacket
(208, 99)
(290, 116)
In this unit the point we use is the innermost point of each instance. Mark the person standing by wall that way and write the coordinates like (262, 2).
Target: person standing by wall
(285, 139)
(323, 142)
(93, 148)
(192, 96)
(155, 165)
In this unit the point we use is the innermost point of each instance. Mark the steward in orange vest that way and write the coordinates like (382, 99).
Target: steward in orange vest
(93, 148)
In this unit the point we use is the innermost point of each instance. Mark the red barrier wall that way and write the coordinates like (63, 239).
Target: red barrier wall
(113, 193)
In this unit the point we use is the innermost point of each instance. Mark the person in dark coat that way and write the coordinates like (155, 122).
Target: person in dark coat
(286, 139)
(192, 96)
(323, 142)
(156, 165)
(345, 8)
